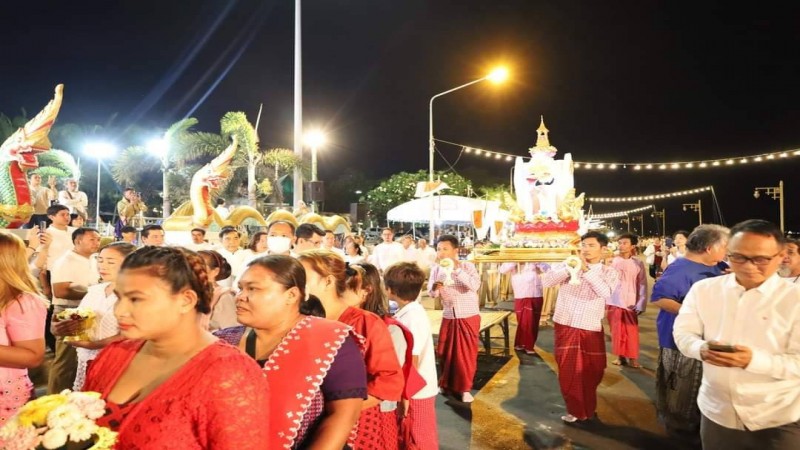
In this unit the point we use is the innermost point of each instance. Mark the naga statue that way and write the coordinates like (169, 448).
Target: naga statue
(198, 211)
(17, 156)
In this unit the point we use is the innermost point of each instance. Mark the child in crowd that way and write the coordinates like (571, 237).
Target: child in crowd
(403, 283)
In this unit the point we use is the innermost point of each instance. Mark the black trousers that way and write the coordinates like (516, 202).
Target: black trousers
(715, 436)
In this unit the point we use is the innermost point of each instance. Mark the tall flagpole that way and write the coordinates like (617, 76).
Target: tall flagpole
(298, 105)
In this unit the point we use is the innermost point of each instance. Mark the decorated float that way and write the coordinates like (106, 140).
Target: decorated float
(546, 216)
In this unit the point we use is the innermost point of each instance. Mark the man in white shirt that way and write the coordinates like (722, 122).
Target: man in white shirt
(403, 284)
(745, 327)
(409, 251)
(280, 238)
(71, 276)
(233, 252)
(198, 240)
(426, 256)
(329, 243)
(790, 266)
(153, 235)
(221, 209)
(309, 237)
(73, 199)
(387, 252)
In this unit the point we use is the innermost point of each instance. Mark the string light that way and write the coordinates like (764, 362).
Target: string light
(675, 165)
(650, 196)
(611, 215)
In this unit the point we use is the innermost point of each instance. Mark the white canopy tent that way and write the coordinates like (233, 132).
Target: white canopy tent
(449, 209)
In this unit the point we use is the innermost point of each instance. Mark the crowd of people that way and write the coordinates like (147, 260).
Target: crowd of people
(295, 340)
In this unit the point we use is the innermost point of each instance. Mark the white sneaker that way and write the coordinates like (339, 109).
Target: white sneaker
(466, 397)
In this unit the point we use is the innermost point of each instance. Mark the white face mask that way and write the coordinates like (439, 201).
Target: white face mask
(278, 244)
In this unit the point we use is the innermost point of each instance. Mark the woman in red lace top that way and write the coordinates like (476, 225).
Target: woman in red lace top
(326, 274)
(171, 384)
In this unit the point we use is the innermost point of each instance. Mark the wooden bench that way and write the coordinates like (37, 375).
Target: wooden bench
(489, 319)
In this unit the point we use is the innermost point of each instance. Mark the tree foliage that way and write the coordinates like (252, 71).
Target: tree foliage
(400, 188)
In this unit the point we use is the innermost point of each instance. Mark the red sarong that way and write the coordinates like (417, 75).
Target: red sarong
(529, 312)
(624, 324)
(581, 358)
(423, 428)
(458, 350)
(377, 430)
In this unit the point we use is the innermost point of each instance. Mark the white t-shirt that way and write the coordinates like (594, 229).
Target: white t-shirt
(426, 257)
(75, 201)
(410, 254)
(414, 317)
(73, 268)
(385, 254)
(197, 247)
(237, 262)
(60, 244)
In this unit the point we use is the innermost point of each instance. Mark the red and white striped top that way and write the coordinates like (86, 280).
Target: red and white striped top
(460, 300)
(582, 305)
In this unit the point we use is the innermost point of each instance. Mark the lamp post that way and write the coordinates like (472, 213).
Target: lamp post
(497, 76)
(160, 148)
(776, 192)
(695, 207)
(98, 151)
(663, 216)
(314, 139)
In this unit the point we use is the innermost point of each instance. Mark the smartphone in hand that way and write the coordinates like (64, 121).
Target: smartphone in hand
(722, 348)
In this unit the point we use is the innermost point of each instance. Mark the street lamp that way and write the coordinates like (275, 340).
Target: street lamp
(695, 207)
(314, 139)
(663, 215)
(776, 192)
(98, 151)
(496, 76)
(160, 148)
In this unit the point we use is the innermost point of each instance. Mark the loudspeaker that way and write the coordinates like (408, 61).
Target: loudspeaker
(314, 191)
(358, 212)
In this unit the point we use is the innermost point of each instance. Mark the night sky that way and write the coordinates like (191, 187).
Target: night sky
(622, 80)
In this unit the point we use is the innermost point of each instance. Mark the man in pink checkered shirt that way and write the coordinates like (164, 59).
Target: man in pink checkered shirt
(580, 348)
(461, 320)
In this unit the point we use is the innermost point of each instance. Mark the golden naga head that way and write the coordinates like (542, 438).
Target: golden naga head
(31, 139)
(214, 174)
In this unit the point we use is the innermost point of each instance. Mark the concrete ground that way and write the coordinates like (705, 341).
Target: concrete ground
(518, 404)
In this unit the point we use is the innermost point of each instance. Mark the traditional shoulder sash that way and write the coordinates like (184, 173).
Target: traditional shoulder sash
(295, 372)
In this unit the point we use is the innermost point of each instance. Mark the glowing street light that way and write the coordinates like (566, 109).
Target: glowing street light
(315, 139)
(99, 151)
(159, 148)
(496, 76)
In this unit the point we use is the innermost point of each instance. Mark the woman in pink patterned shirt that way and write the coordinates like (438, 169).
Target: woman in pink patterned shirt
(22, 317)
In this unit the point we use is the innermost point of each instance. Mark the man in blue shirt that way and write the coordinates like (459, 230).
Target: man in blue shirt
(678, 377)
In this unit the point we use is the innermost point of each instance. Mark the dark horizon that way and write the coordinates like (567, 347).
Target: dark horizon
(627, 82)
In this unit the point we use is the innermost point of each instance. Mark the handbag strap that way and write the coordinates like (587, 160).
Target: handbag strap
(250, 344)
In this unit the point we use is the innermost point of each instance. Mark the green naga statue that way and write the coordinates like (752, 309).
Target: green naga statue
(18, 155)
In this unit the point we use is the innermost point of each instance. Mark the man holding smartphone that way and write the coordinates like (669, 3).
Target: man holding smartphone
(745, 327)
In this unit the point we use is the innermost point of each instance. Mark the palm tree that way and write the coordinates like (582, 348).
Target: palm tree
(236, 123)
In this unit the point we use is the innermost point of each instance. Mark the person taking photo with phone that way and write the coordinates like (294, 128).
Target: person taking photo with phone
(745, 328)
